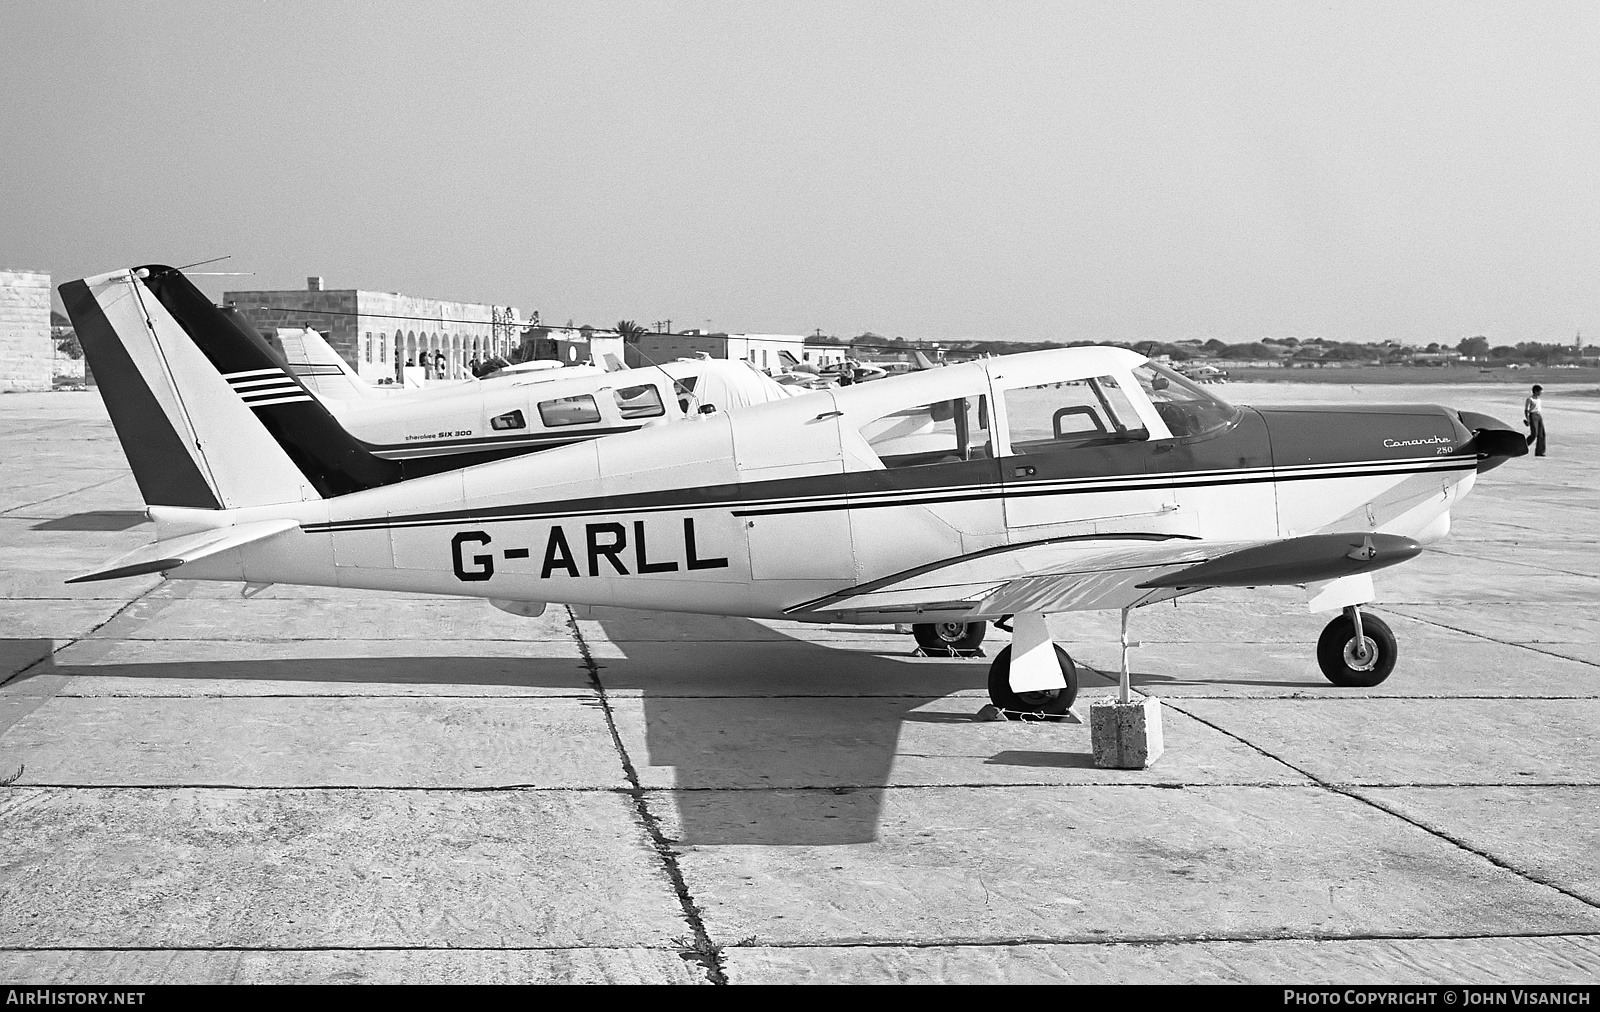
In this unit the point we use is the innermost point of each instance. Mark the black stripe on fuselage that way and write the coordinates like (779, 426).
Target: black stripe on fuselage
(161, 463)
(822, 493)
(541, 439)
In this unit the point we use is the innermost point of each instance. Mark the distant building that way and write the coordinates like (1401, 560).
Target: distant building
(572, 345)
(27, 357)
(768, 352)
(377, 333)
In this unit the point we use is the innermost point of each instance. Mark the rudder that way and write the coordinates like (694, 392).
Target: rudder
(207, 413)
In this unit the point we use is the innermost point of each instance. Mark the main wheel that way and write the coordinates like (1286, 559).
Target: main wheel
(947, 639)
(1338, 656)
(1041, 704)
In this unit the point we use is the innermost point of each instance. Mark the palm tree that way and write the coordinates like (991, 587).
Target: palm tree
(630, 331)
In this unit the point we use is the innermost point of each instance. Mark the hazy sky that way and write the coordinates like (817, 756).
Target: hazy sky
(1118, 171)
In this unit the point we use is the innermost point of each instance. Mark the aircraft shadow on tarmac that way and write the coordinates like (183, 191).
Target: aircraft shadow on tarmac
(772, 740)
(95, 520)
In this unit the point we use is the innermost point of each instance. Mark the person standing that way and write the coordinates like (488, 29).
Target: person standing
(1533, 417)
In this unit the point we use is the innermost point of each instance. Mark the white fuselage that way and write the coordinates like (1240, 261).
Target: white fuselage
(755, 511)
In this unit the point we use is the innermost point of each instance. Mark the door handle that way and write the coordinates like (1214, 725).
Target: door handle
(1025, 471)
(1163, 448)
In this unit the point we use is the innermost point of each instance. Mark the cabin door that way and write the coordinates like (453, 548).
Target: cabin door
(1078, 460)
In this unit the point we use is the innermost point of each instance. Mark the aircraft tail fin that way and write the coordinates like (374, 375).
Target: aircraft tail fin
(207, 413)
(323, 370)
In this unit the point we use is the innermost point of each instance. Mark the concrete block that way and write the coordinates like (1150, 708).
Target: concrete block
(1126, 736)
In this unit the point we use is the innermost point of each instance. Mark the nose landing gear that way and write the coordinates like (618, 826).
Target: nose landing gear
(1356, 650)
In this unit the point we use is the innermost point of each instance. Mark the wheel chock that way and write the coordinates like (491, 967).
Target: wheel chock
(992, 712)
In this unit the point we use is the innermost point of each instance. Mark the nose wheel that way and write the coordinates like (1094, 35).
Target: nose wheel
(948, 639)
(1043, 705)
(1356, 650)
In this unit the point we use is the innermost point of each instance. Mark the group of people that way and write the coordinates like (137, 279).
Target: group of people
(434, 365)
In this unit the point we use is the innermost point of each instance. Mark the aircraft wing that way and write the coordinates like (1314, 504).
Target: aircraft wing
(1099, 571)
(174, 552)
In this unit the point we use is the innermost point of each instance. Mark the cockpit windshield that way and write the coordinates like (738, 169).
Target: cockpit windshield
(1187, 409)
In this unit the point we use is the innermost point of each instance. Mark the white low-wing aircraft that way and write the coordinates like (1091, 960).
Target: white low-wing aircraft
(325, 372)
(451, 424)
(1002, 490)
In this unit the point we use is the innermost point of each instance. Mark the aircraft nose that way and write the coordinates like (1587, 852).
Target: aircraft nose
(1493, 441)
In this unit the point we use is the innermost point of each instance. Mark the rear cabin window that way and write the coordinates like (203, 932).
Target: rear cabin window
(943, 432)
(509, 420)
(1086, 412)
(579, 410)
(639, 402)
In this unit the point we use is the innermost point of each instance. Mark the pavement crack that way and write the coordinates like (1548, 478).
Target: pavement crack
(1491, 639)
(700, 948)
(1354, 795)
(62, 495)
(1143, 941)
(79, 639)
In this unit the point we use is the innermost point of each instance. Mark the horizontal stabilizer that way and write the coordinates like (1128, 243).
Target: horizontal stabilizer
(1309, 559)
(174, 552)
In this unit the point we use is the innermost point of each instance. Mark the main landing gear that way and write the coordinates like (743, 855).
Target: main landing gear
(1041, 704)
(949, 639)
(1356, 650)
(1034, 688)
(1034, 700)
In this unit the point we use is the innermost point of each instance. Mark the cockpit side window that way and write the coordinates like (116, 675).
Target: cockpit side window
(1085, 412)
(1187, 409)
(942, 432)
(579, 410)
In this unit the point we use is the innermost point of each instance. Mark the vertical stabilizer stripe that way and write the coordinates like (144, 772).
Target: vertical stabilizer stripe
(161, 463)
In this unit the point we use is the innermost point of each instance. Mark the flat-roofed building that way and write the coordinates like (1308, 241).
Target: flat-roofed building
(770, 353)
(378, 333)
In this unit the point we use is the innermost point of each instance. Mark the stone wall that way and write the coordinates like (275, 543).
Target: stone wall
(377, 332)
(329, 313)
(26, 354)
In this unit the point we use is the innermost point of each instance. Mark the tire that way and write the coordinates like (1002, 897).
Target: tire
(1044, 705)
(948, 639)
(1336, 652)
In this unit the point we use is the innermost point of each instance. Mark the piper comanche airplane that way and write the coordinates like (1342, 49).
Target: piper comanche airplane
(1003, 490)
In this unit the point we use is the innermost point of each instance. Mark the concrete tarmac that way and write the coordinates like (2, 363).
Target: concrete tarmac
(324, 786)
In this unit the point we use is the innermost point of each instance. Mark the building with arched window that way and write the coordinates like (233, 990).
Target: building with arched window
(379, 332)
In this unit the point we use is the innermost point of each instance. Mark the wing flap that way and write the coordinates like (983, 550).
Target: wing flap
(171, 553)
(1063, 574)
